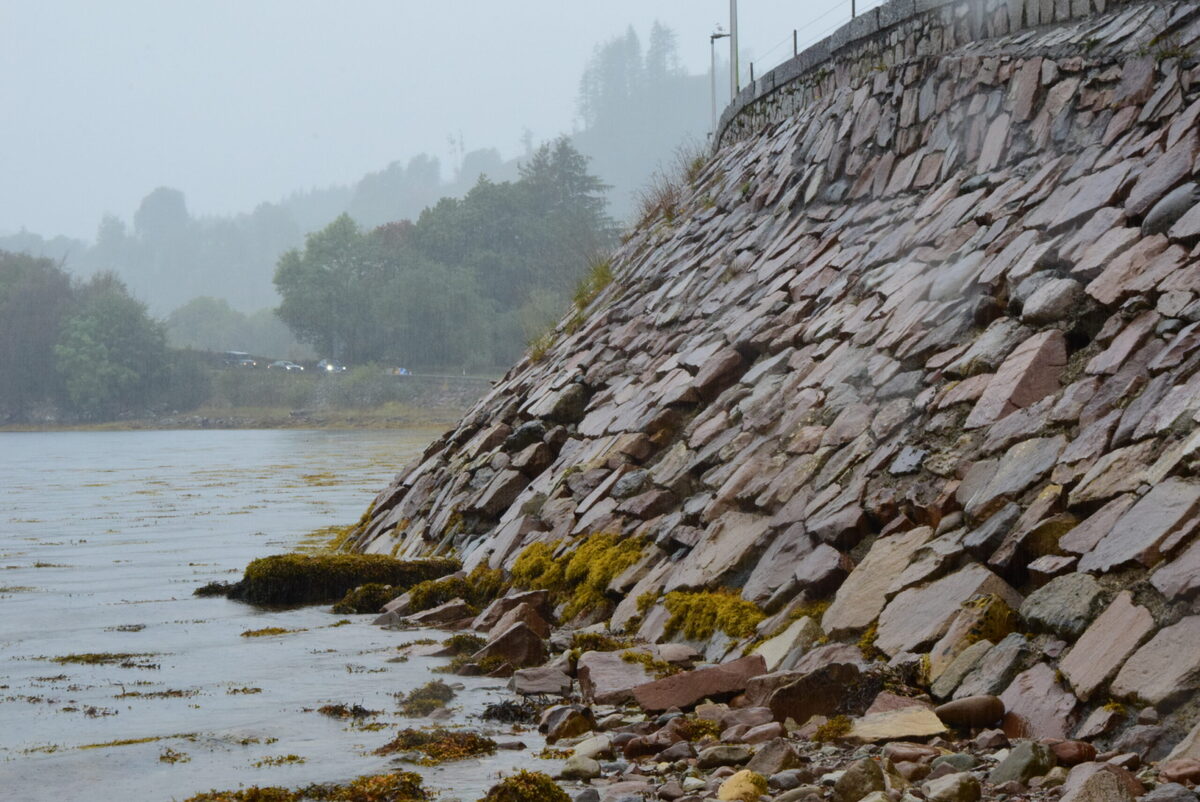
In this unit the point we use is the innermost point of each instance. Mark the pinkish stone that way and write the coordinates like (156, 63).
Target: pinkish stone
(1105, 645)
(1029, 374)
(690, 687)
(1038, 706)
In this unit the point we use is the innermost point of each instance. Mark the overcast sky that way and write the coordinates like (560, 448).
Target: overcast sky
(239, 101)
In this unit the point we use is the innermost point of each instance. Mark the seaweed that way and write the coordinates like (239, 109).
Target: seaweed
(526, 786)
(368, 598)
(424, 700)
(401, 786)
(700, 615)
(431, 747)
(294, 579)
(578, 578)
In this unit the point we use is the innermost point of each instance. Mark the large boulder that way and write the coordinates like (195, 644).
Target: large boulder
(958, 787)
(1038, 706)
(686, 689)
(919, 616)
(518, 646)
(539, 600)
(835, 689)
(566, 721)
(606, 678)
(1065, 605)
(523, 613)
(540, 681)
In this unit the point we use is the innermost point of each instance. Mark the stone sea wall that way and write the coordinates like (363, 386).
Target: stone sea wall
(914, 367)
(897, 32)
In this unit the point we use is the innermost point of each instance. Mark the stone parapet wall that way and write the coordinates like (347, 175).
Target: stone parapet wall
(897, 32)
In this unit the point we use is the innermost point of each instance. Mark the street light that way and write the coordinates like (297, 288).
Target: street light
(712, 47)
(733, 49)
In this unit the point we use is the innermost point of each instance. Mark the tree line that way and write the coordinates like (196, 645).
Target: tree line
(86, 348)
(466, 285)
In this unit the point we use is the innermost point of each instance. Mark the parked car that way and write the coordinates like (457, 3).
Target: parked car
(284, 365)
(330, 366)
(233, 359)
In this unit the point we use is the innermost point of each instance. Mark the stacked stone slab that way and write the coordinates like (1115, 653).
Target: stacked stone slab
(926, 347)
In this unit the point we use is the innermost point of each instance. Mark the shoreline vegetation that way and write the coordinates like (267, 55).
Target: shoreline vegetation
(392, 415)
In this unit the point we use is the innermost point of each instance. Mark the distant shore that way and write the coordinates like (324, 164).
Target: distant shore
(387, 416)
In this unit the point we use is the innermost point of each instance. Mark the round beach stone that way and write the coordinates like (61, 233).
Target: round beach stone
(971, 711)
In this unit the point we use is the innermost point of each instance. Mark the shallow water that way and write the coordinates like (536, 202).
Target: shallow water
(103, 537)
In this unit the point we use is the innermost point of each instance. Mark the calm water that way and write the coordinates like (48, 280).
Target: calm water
(103, 537)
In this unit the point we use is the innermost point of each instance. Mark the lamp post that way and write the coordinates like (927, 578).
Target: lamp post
(733, 49)
(712, 48)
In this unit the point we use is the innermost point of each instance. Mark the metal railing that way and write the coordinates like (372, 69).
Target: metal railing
(836, 14)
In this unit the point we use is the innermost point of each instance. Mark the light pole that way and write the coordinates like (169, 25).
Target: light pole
(733, 49)
(712, 47)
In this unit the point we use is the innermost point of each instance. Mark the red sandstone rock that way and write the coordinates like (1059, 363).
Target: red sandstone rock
(1038, 706)
(1105, 645)
(518, 645)
(1030, 373)
(684, 690)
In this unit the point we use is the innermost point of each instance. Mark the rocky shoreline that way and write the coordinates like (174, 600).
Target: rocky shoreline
(897, 395)
(835, 728)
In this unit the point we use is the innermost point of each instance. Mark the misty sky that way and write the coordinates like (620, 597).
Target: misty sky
(239, 101)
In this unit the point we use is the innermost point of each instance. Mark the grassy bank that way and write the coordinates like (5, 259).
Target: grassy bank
(364, 398)
(392, 415)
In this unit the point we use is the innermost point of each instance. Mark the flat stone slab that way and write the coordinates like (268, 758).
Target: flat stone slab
(896, 725)
(1180, 578)
(1037, 706)
(607, 679)
(1139, 534)
(1029, 374)
(1106, 644)
(863, 594)
(1168, 665)
(920, 616)
(686, 689)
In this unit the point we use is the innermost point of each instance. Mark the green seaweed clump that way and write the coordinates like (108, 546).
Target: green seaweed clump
(578, 578)
(598, 642)
(696, 729)
(431, 747)
(700, 615)
(832, 730)
(368, 598)
(653, 666)
(346, 711)
(478, 588)
(321, 578)
(400, 786)
(526, 786)
(464, 643)
(424, 700)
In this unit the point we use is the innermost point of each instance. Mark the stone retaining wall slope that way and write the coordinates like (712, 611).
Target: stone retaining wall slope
(919, 361)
